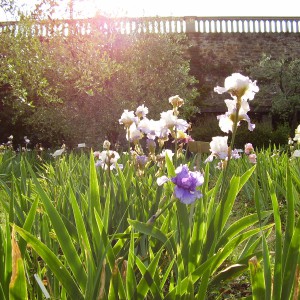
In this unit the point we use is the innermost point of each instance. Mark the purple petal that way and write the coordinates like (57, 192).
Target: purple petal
(186, 196)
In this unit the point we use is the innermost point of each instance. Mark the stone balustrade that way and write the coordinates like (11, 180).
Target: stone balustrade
(163, 25)
(244, 24)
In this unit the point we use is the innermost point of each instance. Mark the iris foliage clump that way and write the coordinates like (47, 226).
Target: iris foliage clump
(152, 223)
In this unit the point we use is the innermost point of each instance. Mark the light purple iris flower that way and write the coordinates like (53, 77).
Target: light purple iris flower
(186, 183)
(141, 160)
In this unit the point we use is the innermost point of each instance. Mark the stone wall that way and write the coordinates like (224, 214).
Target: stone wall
(215, 56)
(220, 46)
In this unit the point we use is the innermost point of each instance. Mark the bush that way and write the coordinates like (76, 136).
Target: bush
(206, 126)
(262, 136)
(78, 85)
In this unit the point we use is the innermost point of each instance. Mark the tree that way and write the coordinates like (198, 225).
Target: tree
(74, 87)
(279, 83)
(153, 67)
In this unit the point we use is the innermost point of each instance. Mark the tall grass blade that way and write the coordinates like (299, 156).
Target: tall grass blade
(117, 282)
(94, 201)
(131, 283)
(267, 268)
(17, 285)
(292, 262)
(53, 262)
(183, 230)
(239, 226)
(170, 167)
(151, 230)
(8, 259)
(42, 287)
(28, 224)
(63, 235)
(220, 218)
(147, 281)
(290, 218)
(277, 286)
(257, 279)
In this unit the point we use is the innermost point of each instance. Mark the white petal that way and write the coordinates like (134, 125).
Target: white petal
(220, 90)
(161, 180)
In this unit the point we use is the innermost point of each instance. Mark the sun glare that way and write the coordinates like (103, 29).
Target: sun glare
(119, 8)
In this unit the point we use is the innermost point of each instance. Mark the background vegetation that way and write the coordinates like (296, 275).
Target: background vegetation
(50, 85)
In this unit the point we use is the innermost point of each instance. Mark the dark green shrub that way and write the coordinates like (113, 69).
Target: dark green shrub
(281, 134)
(205, 127)
(262, 136)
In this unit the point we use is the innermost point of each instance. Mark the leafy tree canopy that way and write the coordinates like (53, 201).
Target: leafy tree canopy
(73, 87)
(279, 83)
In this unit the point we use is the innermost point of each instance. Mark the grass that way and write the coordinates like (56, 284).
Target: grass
(96, 223)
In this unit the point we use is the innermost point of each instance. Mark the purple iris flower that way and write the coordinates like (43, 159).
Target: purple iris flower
(186, 183)
(141, 160)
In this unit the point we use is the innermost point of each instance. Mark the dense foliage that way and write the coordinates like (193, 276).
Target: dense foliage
(51, 84)
(263, 136)
(150, 223)
(279, 81)
(140, 243)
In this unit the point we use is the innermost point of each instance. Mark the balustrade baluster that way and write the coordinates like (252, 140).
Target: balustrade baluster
(244, 25)
(162, 25)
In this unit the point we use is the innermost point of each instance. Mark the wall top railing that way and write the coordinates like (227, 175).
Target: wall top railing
(163, 25)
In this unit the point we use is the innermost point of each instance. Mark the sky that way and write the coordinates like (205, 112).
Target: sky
(140, 8)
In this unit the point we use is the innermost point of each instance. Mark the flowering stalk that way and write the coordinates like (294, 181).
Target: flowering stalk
(128, 134)
(161, 211)
(234, 129)
(176, 146)
(241, 89)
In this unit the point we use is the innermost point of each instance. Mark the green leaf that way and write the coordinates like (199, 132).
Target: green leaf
(131, 283)
(170, 167)
(122, 181)
(183, 236)
(56, 266)
(290, 217)
(257, 279)
(80, 225)
(28, 224)
(94, 199)
(216, 260)
(167, 273)
(117, 282)
(277, 286)
(267, 268)
(62, 234)
(292, 262)
(18, 284)
(7, 257)
(239, 226)
(233, 271)
(151, 230)
(220, 218)
(224, 252)
(84, 244)
(198, 235)
(245, 177)
(147, 281)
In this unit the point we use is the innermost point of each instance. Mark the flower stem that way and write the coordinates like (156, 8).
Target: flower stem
(128, 136)
(235, 124)
(234, 130)
(176, 147)
(161, 211)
